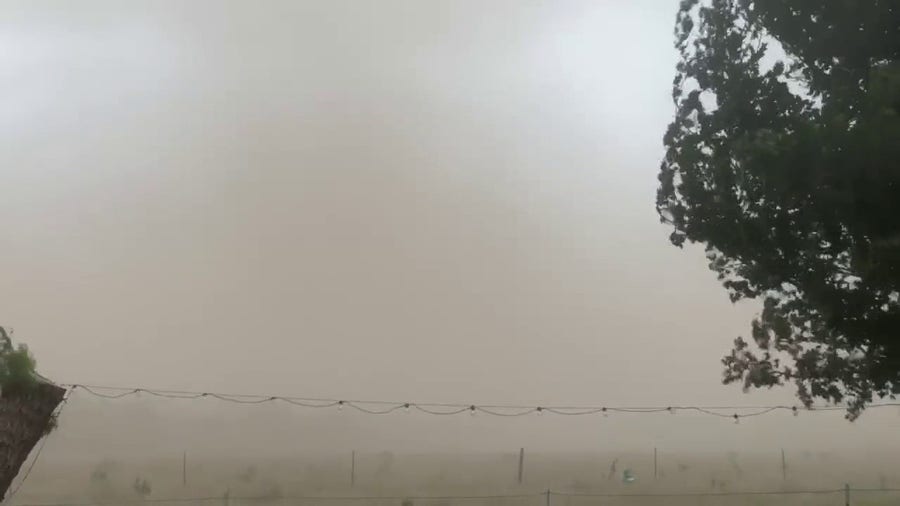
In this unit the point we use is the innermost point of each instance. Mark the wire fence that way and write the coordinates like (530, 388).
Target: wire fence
(839, 496)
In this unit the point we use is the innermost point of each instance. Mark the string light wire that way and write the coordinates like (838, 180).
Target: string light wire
(382, 407)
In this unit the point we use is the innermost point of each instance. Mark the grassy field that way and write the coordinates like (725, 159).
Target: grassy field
(438, 480)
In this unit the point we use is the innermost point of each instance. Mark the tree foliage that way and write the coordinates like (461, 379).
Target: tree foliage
(784, 161)
(17, 367)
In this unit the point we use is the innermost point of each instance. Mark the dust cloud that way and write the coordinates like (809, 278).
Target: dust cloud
(402, 200)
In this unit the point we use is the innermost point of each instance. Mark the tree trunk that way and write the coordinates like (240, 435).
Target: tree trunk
(24, 420)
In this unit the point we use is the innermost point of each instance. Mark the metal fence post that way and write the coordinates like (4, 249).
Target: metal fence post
(548, 497)
(655, 468)
(521, 463)
(783, 466)
(846, 494)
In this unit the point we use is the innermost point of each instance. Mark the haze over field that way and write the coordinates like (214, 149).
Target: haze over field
(403, 200)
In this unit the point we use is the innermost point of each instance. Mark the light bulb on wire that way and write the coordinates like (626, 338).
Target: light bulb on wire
(340, 405)
(737, 419)
(540, 410)
(472, 410)
(406, 407)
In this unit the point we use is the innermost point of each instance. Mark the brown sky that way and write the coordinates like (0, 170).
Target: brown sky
(440, 201)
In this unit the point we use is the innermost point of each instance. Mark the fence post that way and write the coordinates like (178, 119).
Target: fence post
(783, 466)
(846, 494)
(548, 497)
(655, 469)
(521, 463)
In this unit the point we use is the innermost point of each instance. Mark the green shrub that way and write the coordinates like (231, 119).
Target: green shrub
(17, 367)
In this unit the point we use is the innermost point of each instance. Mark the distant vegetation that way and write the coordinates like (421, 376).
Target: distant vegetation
(142, 487)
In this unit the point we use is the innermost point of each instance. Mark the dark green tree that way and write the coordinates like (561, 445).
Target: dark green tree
(784, 161)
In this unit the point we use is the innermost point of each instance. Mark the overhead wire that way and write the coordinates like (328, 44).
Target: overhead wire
(384, 407)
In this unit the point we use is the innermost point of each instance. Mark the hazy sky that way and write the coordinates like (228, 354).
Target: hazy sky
(435, 201)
